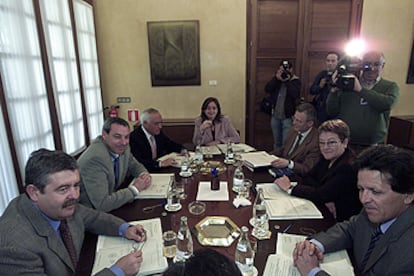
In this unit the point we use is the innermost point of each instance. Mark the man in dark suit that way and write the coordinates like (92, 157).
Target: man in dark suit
(42, 231)
(300, 151)
(382, 235)
(148, 142)
(106, 164)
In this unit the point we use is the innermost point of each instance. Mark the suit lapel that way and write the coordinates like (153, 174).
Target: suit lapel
(44, 229)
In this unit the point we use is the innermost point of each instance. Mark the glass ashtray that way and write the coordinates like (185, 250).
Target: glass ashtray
(196, 207)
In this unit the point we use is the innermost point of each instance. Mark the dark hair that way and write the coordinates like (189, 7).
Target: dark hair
(113, 120)
(204, 107)
(334, 53)
(336, 126)
(309, 111)
(394, 163)
(205, 261)
(43, 162)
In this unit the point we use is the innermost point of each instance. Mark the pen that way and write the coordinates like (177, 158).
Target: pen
(287, 228)
(138, 246)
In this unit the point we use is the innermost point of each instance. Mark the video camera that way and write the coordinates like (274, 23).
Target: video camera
(348, 68)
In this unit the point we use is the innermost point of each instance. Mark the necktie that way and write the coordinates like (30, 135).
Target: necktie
(153, 147)
(67, 240)
(116, 169)
(375, 236)
(296, 144)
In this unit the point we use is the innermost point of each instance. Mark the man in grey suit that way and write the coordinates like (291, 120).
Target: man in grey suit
(382, 235)
(35, 226)
(105, 165)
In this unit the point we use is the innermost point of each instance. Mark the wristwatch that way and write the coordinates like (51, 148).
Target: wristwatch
(291, 164)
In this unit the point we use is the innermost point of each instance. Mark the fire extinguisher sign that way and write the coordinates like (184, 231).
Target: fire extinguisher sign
(133, 115)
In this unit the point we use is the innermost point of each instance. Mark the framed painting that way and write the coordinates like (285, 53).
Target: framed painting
(174, 51)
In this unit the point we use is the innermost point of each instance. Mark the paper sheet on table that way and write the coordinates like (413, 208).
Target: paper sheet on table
(258, 159)
(281, 205)
(177, 157)
(110, 249)
(204, 192)
(281, 263)
(213, 150)
(236, 148)
(160, 183)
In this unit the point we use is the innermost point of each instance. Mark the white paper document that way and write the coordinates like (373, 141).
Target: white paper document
(210, 150)
(281, 205)
(111, 249)
(160, 183)
(281, 263)
(236, 148)
(177, 157)
(258, 159)
(204, 192)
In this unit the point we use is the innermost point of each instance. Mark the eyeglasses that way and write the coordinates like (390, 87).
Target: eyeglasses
(329, 144)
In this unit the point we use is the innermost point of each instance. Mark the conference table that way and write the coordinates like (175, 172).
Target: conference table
(240, 216)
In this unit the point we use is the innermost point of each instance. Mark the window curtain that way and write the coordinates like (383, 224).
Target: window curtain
(62, 60)
(85, 30)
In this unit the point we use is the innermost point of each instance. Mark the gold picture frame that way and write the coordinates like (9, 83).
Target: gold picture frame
(174, 51)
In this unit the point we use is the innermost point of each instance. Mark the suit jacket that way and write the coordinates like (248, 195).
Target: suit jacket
(306, 155)
(222, 131)
(337, 183)
(391, 253)
(292, 93)
(30, 245)
(98, 187)
(141, 148)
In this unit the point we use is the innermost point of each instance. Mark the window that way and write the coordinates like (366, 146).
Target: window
(48, 85)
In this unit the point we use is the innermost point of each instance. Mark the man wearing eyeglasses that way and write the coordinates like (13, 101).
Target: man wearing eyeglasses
(366, 109)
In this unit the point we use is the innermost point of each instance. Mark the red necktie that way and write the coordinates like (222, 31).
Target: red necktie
(67, 240)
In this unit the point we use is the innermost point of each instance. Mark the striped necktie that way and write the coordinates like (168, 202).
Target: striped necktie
(375, 236)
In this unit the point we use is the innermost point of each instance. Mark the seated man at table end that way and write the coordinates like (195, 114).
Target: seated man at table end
(300, 151)
(35, 227)
(148, 142)
(381, 236)
(105, 165)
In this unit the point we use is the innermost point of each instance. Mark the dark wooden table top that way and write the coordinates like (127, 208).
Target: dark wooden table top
(240, 216)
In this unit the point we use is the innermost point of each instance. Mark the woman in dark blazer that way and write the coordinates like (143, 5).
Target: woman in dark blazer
(333, 180)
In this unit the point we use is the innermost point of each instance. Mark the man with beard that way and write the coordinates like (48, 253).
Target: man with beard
(381, 236)
(105, 165)
(42, 231)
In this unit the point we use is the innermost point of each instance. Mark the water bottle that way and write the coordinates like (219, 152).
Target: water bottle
(229, 152)
(184, 242)
(198, 156)
(185, 162)
(260, 217)
(244, 253)
(173, 199)
(238, 178)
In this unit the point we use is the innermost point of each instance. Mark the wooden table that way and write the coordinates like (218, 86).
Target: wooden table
(240, 216)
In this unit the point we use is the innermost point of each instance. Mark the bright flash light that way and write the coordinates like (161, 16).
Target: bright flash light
(355, 48)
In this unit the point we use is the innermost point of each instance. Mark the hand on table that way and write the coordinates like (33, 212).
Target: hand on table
(143, 181)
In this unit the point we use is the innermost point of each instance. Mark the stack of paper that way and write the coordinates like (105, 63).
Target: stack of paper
(258, 159)
(159, 186)
(281, 205)
(236, 148)
(210, 150)
(111, 249)
(281, 263)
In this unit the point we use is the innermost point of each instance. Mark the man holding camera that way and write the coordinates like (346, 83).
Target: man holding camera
(366, 105)
(321, 86)
(284, 89)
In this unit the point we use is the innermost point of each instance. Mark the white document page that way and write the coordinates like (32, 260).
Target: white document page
(236, 148)
(337, 263)
(204, 192)
(160, 183)
(213, 150)
(258, 159)
(110, 249)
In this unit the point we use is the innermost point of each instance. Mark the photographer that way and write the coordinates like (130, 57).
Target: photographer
(284, 89)
(321, 86)
(363, 99)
